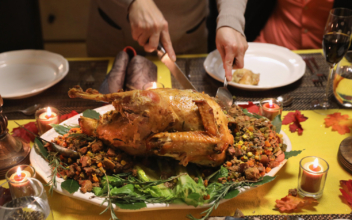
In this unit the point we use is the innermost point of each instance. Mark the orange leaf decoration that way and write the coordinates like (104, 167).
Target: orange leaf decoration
(338, 122)
(292, 203)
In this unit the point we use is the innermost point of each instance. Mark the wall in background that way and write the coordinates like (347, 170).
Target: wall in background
(64, 26)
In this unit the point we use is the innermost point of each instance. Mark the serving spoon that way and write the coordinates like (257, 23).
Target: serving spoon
(28, 111)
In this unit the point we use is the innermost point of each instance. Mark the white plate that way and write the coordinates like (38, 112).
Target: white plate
(278, 66)
(43, 169)
(25, 73)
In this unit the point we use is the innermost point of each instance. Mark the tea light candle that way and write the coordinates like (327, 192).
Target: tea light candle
(312, 177)
(19, 185)
(19, 177)
(270, 109)
(45, 117)
(311, 180)
(152, 85)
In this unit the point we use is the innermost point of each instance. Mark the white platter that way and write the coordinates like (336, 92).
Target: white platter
(26, 73)
(278, 66)
(43, 169)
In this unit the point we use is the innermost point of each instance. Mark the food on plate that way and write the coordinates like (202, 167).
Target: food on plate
(182, 124)
(166, 146)
(245, 76)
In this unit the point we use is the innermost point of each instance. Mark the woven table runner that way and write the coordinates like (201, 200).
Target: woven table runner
(292, 217)
(57, 97)
(303, 91)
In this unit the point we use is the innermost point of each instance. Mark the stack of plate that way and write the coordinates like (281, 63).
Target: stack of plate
(345, 154)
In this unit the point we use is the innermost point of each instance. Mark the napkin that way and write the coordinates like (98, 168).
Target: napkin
(129, 72)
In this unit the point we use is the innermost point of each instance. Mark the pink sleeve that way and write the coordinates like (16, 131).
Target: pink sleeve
(231, 14)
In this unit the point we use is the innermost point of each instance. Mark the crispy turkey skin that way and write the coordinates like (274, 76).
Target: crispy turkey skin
(183, 124)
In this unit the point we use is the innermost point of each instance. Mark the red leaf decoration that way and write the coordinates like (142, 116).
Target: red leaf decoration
(295, 118)
(67, 116)
(252, 108)
(338, 122)
(346, 190)
(22, 133)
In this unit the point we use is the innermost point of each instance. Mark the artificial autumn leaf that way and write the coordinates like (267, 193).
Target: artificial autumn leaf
(252, 108)
(346, 190)
(294, 203)
(22, 133)
(67, 116)
(338, 122)
(295, 118)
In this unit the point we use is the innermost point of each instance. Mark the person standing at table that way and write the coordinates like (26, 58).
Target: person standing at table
(178, 25)
(294, 24)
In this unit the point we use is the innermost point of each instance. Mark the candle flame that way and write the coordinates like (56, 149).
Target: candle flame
(270, 103)
(19, 172)
(154, 85)
(48, 112)
(315, 163)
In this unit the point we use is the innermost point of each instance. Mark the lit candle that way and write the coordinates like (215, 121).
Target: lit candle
(20, 176)
(312, 177)
(152, 85)
(46, 118)
(270, 110)
(19, 183)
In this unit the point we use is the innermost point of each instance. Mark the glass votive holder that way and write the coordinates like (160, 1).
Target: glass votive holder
(17, 177)
(33, 205)
(153, 85)
(270, 108)
(312, 176)
(45, 117)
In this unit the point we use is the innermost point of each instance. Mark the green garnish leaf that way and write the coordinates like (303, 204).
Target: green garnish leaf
(70, 185)
(232, 194)
(61, 129)
(292, 153)
(266, 179)
(277, 123)
(39, 146)
(132, 206)
(89, 113)
(246, 112)
(222, 172)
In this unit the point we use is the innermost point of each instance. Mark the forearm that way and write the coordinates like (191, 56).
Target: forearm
(231, 14)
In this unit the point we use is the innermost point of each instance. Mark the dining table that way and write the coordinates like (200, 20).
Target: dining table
(315, 140)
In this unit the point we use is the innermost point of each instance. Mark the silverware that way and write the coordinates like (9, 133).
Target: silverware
(285, 99)
(174, 69)
(28, 111)
(62, 150)
(317, 78)
(224, 96)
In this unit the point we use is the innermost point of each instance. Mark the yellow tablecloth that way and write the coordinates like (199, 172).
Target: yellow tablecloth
(315, 141)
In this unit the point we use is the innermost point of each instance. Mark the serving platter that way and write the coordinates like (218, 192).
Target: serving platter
(26, 73)
(278, 66)
(43, 169)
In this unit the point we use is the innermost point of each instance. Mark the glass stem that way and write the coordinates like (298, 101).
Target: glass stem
(327, 88)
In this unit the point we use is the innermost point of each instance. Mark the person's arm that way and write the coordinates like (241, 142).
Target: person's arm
(149, 26)
(230, 40)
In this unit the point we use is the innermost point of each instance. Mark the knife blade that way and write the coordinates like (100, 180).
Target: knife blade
(174, 69)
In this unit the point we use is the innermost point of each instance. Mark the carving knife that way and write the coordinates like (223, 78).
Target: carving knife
(174, 69)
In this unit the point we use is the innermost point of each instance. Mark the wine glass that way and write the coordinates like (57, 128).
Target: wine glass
(336, 42)
(342, 83)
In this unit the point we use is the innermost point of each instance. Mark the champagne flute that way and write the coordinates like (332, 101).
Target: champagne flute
(336, 42)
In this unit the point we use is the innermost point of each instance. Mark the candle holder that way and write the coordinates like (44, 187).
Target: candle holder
(44, 119)
(270, 108)
(17, 177)
(312, 176)
(153, 85)
(25, 206)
